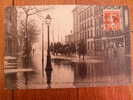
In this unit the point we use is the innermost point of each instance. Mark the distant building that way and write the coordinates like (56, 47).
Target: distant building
(101, 36)
(69, 38)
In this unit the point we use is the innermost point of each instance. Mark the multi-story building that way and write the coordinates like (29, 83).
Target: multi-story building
(11, 31)
(90, 25)
(11, 43)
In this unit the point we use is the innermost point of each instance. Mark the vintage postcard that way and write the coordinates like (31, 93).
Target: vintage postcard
(67, 46)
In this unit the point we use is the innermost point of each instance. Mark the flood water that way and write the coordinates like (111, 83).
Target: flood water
(68, 73)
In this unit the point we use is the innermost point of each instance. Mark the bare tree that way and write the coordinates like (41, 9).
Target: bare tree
(29, 11)
(32, 38)
(28, 30)
(32, 31)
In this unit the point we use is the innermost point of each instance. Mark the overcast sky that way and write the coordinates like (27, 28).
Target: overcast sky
(62, 21)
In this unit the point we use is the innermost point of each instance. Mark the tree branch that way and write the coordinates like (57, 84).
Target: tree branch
(38, 11)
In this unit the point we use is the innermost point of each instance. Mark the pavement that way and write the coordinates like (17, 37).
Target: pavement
(87, 59)
(10, 71)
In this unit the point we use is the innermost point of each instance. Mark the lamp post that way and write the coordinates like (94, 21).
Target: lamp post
(42, 50)
(48, 64)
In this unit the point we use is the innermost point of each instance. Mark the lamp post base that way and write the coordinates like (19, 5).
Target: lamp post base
(48, 65)
(48, 70)
(48, 76)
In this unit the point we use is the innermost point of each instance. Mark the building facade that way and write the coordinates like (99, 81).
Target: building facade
(90, 24)
(11, 42)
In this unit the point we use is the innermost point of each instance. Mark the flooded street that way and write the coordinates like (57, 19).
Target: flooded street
(67, 46)
(69, 73)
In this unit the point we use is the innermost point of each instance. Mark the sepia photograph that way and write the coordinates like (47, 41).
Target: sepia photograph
(67, 46)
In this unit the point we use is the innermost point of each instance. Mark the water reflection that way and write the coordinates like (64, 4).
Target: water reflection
(67, 73)
(116, 71)
(11, 81)
(48, 76)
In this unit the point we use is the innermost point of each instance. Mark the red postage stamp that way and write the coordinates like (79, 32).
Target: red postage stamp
(112, 20)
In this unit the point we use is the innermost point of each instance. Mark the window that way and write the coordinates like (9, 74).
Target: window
(90, 12)
(87, 12)
(88, 45)
(91, 34)
(90, 22)
(85, 15)
(88, 34)
(80, 18)
(126, 17)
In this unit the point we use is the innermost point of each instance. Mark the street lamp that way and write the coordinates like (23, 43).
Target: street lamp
(42, 50)
(48, 64)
